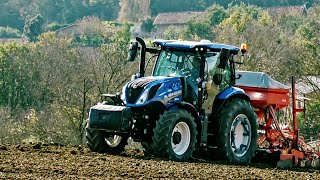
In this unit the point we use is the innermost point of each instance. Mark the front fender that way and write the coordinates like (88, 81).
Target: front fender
(186, 106)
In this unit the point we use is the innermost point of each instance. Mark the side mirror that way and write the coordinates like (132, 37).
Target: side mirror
(224, 56)
(133, 49)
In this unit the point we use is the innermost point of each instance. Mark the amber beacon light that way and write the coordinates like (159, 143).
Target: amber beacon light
(244, 47)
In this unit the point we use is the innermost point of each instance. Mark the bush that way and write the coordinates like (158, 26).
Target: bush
(8, 32)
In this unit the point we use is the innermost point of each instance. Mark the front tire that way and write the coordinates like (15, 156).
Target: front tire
(102, 142)
(175, 135)
(237, 137)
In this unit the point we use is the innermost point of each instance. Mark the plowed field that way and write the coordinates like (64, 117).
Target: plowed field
(27, 161)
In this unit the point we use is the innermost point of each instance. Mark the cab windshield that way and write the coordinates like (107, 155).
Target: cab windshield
(179, 63)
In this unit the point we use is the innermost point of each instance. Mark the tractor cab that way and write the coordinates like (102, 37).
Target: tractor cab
(187, 66)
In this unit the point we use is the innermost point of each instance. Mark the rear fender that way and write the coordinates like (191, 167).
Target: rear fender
(226, 95)
(231, 92)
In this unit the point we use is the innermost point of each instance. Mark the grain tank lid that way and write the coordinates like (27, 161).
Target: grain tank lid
(258, 79)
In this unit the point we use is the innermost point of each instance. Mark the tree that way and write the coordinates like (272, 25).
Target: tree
(216, 14)
(202, 27)
(64, 71)
(10, 15)
(173, 32)
(94, 32)
(10, 58)
(134, 10)
(241, 15)
(310, 127)
(34, 27)
(197, 29)
(307, 42)
(123, 36)
(271, 45)
(147, 25)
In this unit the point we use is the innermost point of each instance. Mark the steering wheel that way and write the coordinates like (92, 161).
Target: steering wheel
(186, 72)
(172, 69)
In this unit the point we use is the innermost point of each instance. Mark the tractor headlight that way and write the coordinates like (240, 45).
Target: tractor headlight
(123, 92)
(143, 97)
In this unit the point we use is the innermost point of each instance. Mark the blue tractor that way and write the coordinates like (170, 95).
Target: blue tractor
(189, 103)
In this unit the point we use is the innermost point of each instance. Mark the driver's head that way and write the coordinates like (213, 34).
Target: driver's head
(196, 62)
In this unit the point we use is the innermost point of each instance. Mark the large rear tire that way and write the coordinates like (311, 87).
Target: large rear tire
(147, 148)
(237, 137)
(175, 135)
(102, 142)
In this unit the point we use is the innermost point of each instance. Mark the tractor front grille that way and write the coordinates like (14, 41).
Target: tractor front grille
(133, 94)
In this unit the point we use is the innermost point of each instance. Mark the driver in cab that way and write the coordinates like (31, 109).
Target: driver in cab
(194, 64)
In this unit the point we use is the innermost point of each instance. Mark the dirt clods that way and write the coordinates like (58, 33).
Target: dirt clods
(38, 161)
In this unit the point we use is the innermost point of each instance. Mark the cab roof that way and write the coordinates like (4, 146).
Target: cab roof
(192, 45)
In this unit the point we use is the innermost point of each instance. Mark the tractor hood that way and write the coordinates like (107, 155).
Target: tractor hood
(145, 90)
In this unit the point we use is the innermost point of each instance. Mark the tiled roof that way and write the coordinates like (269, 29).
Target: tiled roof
(286, 10)
(71, 26)
(308, 84)
(175, 17)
